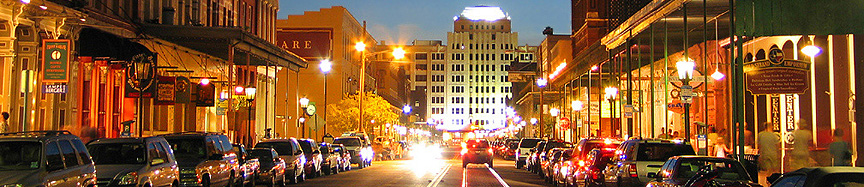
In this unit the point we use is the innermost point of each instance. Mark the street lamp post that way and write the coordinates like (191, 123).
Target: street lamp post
(304, 102)
(611, 95)
(143, 69)
(554, 113)
(325, 67)
(577, 110)
(398, 53)
(541, 82)
(685, 74)
(250, 97)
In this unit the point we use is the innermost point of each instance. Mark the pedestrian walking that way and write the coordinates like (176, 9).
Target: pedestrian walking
(4, 122)
(839, 149)
(663, 134)
(720, 148)
(769, 152)
(803, 140)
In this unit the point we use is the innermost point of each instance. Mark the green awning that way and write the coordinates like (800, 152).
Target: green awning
(799, 17)
(219, 41)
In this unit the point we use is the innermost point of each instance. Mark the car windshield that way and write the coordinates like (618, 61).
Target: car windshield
(662, 151)
(117, 153)
(261, 155)
(551, 145)
(513, 145)
(729, 169)
(528, 143)
(347, 141)
(188, 148)
(20, 155)
(282, 148)
(306, 146)
(592, 145)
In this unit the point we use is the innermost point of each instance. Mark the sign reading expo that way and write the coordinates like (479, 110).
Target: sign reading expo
(306, 43)
(55, 58)
(777, 75)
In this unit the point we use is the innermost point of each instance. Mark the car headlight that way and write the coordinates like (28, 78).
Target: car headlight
(129, 178)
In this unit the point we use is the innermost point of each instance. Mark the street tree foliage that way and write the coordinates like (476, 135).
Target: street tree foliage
(343, 115)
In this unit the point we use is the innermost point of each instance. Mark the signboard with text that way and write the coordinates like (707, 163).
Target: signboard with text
(309, 43)
(165, 91)
(54, 89)
(777, 75)
(55, 58)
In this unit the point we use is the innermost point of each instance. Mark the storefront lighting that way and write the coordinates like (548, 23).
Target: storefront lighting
(594, 68)
(238, 90)
(83, 19)
(533, 121)
(25, 1)
(205, 81)
(811, 51)
(554, 112)
(717, 75)
(43, 6)
(541, 82)
(223, 95)
(250, 93)
(302, 120)
(611, 93)
(576, 105)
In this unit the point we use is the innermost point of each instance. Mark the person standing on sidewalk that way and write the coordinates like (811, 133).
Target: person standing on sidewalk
(839, 149)
(4, 122)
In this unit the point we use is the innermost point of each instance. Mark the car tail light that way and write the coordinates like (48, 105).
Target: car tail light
(490, 151)
(632, 170)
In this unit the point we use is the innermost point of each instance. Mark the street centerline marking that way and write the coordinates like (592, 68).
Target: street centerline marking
(440, 176)
(500, 180)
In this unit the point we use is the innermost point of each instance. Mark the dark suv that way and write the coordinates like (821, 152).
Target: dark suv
(476, 152)
(205, 159)
(45, 158)
(639, 157)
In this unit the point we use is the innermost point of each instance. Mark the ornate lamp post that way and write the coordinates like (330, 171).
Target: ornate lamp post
(250, 97)
(685, 74)
(142, 70)
(577, 108)
(304, 102)
(541, 83)
(611, 95)
(325, 67)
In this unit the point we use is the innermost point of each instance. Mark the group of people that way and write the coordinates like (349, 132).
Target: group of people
(668, 134)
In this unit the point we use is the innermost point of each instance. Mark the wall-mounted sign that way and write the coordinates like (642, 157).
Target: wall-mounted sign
(140, 75)
(165, 91)
(310, 43)
(54, 89)
(183, 90)
(55, 58)
(205, 94)
(777, 75)
(775, 114)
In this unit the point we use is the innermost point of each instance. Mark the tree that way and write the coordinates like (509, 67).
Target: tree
(343, 115)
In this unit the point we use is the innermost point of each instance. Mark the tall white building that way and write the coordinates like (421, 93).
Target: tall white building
(470, 88)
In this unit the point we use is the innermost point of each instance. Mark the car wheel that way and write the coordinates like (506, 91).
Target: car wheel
(175, 184)
(205, 182)
(232, 181)
(302, 176)
(334, 170)
(518, 166)
(294, 179)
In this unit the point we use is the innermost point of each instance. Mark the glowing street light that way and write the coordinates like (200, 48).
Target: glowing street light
(406, 109)
(541, 82)
(399, 53)
(717, 75)
(685, 69)
(360, 46)
(304, 102)
(554, 112)
(576, 105)
(326, 66)
(685, 74)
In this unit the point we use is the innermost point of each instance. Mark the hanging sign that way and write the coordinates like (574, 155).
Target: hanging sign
(54, 89)
(775, 114)
(183, 90)
(55, 60)
(777, 75)
(140, 77)
(165, 91)
(628, 111)
(205, 94)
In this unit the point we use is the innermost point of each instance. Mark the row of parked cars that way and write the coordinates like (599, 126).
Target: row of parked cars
(650, 162)
(58, 158)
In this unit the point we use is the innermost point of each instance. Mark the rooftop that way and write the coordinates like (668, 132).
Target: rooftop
(484, 13)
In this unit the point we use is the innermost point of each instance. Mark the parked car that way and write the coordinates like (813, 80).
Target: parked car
(248, 165)
(45, 158)
(134, 162)
(288, 150)
(550, 167)
(821, 176)
(204, 159)
(576, 173)
(509, 152)
(331, 159)
(476, 152)
(638, 157)
(701, 171)
(390, 146)
(533, 157)
(595, 164)
(344, 157)
(522, 152)
(361, 153)
(546, 153)
(271, 167)
(313, 157)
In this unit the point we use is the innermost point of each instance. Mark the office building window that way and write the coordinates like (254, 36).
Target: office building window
(420, 56)
(437, 56)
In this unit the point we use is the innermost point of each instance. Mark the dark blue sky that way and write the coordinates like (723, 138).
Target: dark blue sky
(402, 21)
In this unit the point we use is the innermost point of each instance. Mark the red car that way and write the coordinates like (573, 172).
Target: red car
(476, 152)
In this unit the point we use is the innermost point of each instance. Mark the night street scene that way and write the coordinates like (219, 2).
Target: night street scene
(413, 93)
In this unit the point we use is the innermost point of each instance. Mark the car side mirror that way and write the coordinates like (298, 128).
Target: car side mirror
(652, 175)
(773, 178)
(316, 152)
(216, 156)
(298, 153)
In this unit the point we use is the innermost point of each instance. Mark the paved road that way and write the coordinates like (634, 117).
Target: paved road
(446, 171)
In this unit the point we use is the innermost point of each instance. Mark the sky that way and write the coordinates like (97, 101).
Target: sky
(402, 21)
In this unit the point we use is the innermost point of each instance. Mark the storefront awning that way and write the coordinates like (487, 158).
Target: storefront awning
(219, 41)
